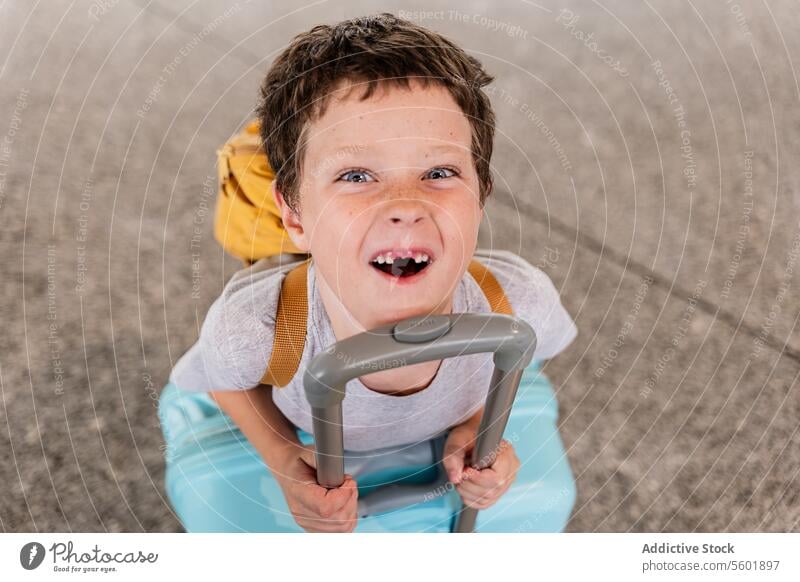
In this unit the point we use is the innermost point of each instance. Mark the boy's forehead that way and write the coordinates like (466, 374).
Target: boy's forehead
(392, 114)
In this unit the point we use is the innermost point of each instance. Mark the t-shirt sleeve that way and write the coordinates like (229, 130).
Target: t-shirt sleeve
(233, 349)
(535, 299)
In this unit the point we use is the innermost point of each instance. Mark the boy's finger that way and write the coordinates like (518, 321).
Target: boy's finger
(327, 525)
(471, 489)
(317, 499)
(338, 498)
(483, 478)
(505, 459)
(474, 495)
(481, 497)
(455, 450)
(506, 468)
(349, 484)
(479, 503)
(312, 499)
(453, 465)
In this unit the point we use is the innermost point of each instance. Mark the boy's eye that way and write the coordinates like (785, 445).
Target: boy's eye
(440, 173)
(359, 176)
(356, 173)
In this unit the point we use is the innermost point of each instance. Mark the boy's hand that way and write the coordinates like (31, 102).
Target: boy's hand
(478, 489)
(316, 508)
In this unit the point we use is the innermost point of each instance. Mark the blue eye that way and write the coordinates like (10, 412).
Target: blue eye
(437, 174)
(356, 172)
(443, 169)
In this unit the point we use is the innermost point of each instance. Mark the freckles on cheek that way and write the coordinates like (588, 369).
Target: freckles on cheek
(335, 231)
(351, 230)
(468, 224)
(462, 233)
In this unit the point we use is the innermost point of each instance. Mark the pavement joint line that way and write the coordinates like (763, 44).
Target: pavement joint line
(590, 243)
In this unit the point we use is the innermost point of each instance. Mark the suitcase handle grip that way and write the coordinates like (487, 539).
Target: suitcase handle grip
(412, 341)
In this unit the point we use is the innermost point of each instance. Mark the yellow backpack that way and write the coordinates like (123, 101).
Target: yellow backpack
(248, 226)
(247, 223)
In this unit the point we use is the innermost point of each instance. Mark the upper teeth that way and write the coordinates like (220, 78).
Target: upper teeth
(389, 258)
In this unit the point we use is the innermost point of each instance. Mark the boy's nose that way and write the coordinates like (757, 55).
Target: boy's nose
(406, 212)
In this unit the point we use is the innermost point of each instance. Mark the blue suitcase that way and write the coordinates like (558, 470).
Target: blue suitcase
(217, 482)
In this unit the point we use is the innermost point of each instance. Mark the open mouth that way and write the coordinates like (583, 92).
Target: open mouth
(402, 264)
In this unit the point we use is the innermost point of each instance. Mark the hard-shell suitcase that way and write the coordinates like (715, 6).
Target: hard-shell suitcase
(216, 481)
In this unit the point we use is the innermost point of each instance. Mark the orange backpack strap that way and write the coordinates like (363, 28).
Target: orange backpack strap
(291, 320)
(491, 288)
(290, 328)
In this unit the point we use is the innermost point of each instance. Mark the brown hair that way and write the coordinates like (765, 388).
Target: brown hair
(380, 48)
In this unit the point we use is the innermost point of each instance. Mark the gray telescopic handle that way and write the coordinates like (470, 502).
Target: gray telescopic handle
(412, 341)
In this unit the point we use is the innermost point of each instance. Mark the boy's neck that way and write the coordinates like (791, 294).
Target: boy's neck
(344, 323)
(398, 381)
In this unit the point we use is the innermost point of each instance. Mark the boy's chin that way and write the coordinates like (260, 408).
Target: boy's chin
(386, 301)
(382, 316)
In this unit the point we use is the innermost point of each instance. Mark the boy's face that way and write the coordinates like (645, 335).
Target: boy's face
(389, 201)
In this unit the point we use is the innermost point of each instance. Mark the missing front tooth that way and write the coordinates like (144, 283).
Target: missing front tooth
(401, 267)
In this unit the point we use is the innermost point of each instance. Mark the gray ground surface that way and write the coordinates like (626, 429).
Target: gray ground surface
(592, 186)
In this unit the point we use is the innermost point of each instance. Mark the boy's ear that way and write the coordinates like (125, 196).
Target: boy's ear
(291, 221)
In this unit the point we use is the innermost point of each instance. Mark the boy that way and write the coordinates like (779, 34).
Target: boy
(381, 140)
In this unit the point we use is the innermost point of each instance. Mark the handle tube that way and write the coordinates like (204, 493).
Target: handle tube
(329, 445)
(499, 400)
(412, 341)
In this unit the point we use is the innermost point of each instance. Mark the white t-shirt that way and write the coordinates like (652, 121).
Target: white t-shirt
(236, 339)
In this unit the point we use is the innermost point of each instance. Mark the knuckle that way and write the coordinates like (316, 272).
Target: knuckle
(340, 517)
